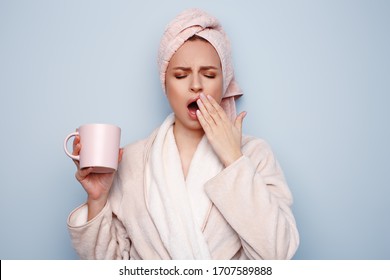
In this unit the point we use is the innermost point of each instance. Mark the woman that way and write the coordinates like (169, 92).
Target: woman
(196, 188)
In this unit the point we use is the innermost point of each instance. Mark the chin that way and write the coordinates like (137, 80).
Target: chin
(196, 126)
(193, 124)
(189, 123)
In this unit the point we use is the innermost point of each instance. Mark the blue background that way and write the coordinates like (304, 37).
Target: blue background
(316, 77)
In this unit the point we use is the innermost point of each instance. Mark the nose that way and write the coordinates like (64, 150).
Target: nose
(196, 84)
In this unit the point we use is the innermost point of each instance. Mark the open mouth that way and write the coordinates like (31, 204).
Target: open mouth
(192, 108)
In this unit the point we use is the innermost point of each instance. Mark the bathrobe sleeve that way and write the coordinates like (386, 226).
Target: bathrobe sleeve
(103, 237)
(254, 198)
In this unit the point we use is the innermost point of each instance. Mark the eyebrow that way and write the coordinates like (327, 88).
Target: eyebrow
(201, 68)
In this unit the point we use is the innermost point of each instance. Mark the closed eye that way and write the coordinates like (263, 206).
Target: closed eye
(209, 73)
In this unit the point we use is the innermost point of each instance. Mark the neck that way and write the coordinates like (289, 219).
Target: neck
(187, 141)
(186, 138)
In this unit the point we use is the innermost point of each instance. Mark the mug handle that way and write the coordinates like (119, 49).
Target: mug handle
(73, 134)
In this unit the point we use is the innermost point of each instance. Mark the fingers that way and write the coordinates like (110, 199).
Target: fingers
(120, 155)
(204, 117)
(81, 174)
(76, 146)
(76, 150)
(212, 113)
(215, 106)
(203, 122)
(210, 109)
(239, 120)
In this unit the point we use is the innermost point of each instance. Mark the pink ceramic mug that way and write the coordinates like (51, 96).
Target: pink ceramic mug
(99, 147)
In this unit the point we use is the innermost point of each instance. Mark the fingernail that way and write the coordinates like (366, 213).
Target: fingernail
(202, 95)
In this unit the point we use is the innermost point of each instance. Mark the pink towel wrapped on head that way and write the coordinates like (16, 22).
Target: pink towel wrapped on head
(197, 22)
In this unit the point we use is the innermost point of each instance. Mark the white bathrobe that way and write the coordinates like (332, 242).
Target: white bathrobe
(249, 215)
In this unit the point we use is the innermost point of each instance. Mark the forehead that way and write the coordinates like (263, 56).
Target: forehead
(195, 53)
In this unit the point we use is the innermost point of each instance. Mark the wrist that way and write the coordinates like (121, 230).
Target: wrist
(232, 159)
(95, 206)
(97, 202)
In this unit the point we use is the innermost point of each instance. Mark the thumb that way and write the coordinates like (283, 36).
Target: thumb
(239, 120)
